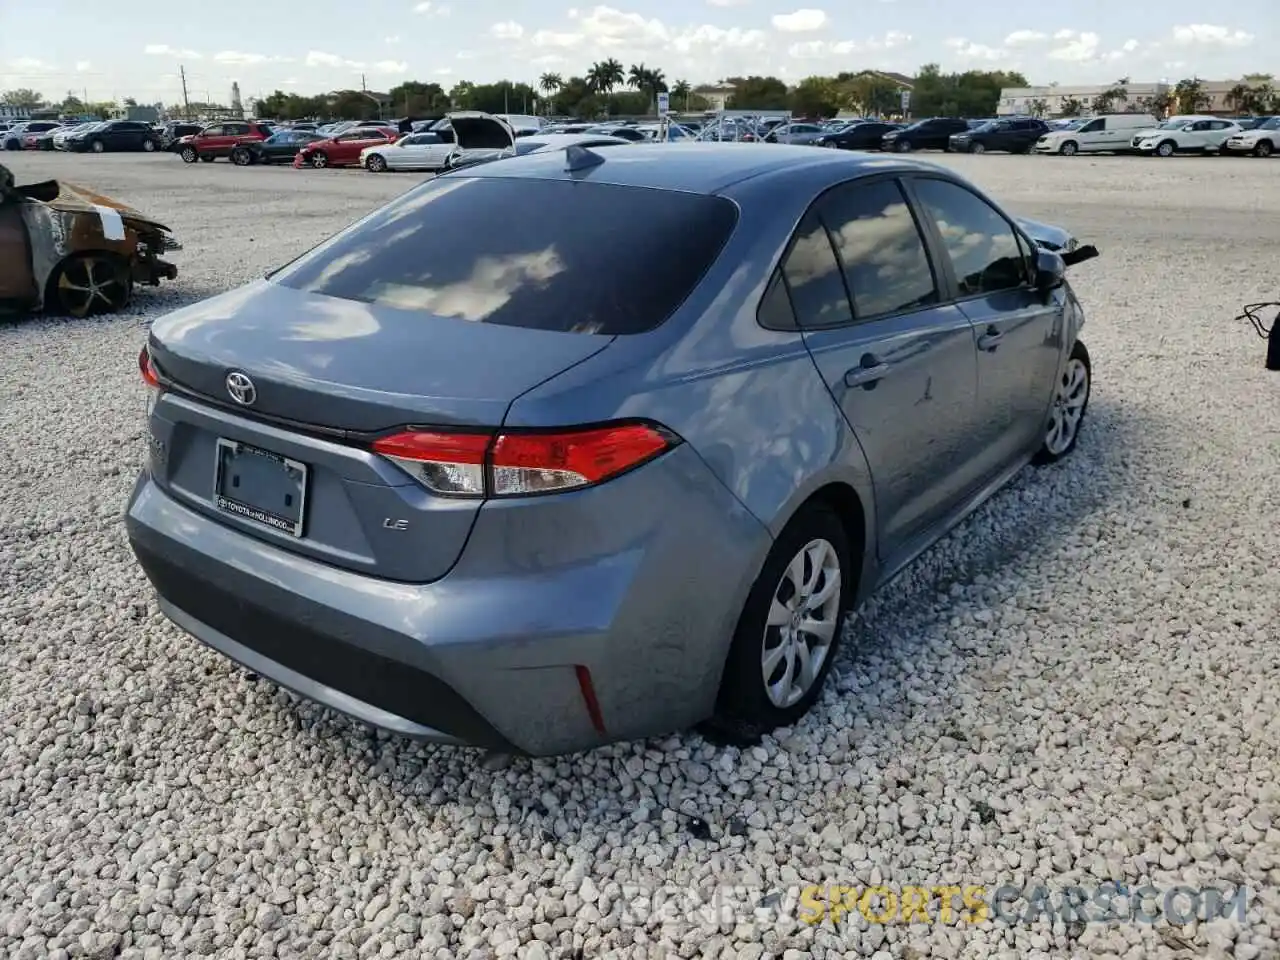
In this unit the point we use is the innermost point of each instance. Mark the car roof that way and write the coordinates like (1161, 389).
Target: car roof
(689, 167)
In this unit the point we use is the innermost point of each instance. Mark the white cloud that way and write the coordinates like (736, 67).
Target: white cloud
(237, 58)
(555, 39)
(424, 7)
(331, 61)
(290, 82)
(613, 28)
(728, 3)
(709, 38)
(547, 60)
(83, 66)
(968, 50)
(1210, 35)
(1064, 34)
(465, 55)
(164, 50)
(390, 66)
(804, 20)
(392, 41)
(1130, 46)
(1080, 48)
(29, 65)
(507, 30)
(823, 49)
(444, 72)
(1020, 38)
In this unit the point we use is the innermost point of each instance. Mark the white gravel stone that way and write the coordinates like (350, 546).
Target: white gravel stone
(1079, 685)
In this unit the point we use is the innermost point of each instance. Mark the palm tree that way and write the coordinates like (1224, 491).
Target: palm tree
(606, 75)
(638, 76)
(682, 90)
(551, 84)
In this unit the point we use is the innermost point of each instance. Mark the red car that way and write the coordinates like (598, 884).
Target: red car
(344, 149)
(219, 139)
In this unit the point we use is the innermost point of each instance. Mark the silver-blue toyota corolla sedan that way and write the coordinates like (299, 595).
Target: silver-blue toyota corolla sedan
(584, 446)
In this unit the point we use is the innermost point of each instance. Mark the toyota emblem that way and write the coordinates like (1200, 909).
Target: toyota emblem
(241, 388)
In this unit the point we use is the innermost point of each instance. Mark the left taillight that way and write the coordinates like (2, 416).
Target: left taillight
(523, 463)
(147, 369)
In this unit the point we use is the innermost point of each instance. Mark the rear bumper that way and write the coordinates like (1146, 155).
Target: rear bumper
(489, 655)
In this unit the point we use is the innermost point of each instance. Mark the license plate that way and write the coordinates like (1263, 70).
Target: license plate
(261, 486)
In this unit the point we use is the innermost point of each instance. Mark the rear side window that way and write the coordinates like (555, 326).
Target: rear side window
(813, 275)
(523, 252)
(880, 247)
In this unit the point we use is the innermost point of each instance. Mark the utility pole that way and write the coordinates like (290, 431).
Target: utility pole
(186, 103)
(363, 88)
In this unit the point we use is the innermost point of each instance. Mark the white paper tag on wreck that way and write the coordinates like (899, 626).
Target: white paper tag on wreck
(112, 224)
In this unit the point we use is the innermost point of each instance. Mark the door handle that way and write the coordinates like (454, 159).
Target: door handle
(867, 374)
(990, 340)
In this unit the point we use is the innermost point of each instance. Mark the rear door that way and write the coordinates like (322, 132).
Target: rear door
(990, 266)
(211, 140)
(898, 361)
(1218, 132)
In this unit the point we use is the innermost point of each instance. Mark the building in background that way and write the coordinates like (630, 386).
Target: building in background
(1051, 100)
(237, 106)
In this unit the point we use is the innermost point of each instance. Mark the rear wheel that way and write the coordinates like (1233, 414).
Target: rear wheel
(188, 155)
(148, 146)
(977, 148)
(789, 629)
(241, 157)
(1069, 149)
(902, 146)
(1263, 148)
(97, 146)
(376, 164)
(1070, 401)
(87, 283)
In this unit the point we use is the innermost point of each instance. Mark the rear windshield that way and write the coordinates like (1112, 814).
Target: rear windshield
(547, 254)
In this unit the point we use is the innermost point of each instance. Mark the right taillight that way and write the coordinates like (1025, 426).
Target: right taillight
(523, 463)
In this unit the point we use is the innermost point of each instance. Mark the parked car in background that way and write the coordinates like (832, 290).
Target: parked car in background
(25, 136)
(541, 143)
(633, 134)
(345, 149)
(59, 137)
(217, 140)
(933, 133)
(1010, 135)
(1261, 140)
(1190, 133)
(795, 133)
(860, 135)
(1104, 133)
(173, 131)
(480, 136)
(281, 147)
(114, 136)
(726, 426)
(417, 151)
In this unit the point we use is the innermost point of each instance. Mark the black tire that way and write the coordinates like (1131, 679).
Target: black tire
(87, 284)
(902, 146)
(1263, 148)
(148, 146)
(376, 164)
(744, 711)
(1165, 148)
(1069, 149)
(188, 155)
(977, 148)
(1048, 452)
(241, 157)
(319, 160)
(207, 158)
(97, 146)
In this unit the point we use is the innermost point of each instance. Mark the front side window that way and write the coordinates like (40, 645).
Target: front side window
(981, 243)
(880, 248)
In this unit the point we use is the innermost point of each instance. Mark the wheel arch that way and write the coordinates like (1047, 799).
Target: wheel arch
(856, 511)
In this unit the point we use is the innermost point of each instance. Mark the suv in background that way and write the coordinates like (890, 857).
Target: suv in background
(931, 134)
(173, 131)
(1011, 134)
(15, 138)
(114, 135)
(218, 139)
(1261, 139)
(1185, 134)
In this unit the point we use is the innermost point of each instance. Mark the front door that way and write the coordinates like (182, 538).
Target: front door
(17, 285)
(899, 363)
(1019, 332)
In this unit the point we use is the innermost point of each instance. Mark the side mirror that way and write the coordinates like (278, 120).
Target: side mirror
(1051, 272)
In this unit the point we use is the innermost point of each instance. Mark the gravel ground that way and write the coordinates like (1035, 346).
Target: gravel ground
(1079, 685)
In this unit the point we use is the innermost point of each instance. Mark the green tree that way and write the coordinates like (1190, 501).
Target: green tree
(869, 94)
(974, 93)
(415, 98)
(550, 84)
(681, 91)
(606, 76)
(1189, 95)
(23, 97)
(758, 93)
(816, 97)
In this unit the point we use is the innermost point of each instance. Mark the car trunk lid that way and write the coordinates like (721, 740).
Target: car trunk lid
(294, 465)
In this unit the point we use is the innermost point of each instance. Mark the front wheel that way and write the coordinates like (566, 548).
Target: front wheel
(789, 630)
(148, 146)
(320, 160)
(977, 148)
(86, 284)
(1069, 149)
(376, 164)
(1165, 148)
(241, 157)
(902, 146)
(97, 146)
(188, 155)
(1070, 401)
(1263, 149)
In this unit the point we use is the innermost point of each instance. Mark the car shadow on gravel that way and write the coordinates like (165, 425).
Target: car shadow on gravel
(1018, 528)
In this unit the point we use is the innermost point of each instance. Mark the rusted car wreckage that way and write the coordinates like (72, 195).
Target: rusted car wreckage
(65, 248)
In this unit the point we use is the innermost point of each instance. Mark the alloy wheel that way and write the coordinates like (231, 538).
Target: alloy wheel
(148, 146)
(801, 625)
(188, 155)
(1263, 149)
(1069, 398)
(1165, 149)
(978, 148)
(319, 161)
(90, 284)
(1069, 149)
(97, 146)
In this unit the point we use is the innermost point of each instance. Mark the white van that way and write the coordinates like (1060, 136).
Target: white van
(1104, 132)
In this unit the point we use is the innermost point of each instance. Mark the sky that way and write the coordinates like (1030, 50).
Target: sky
(110, 49)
